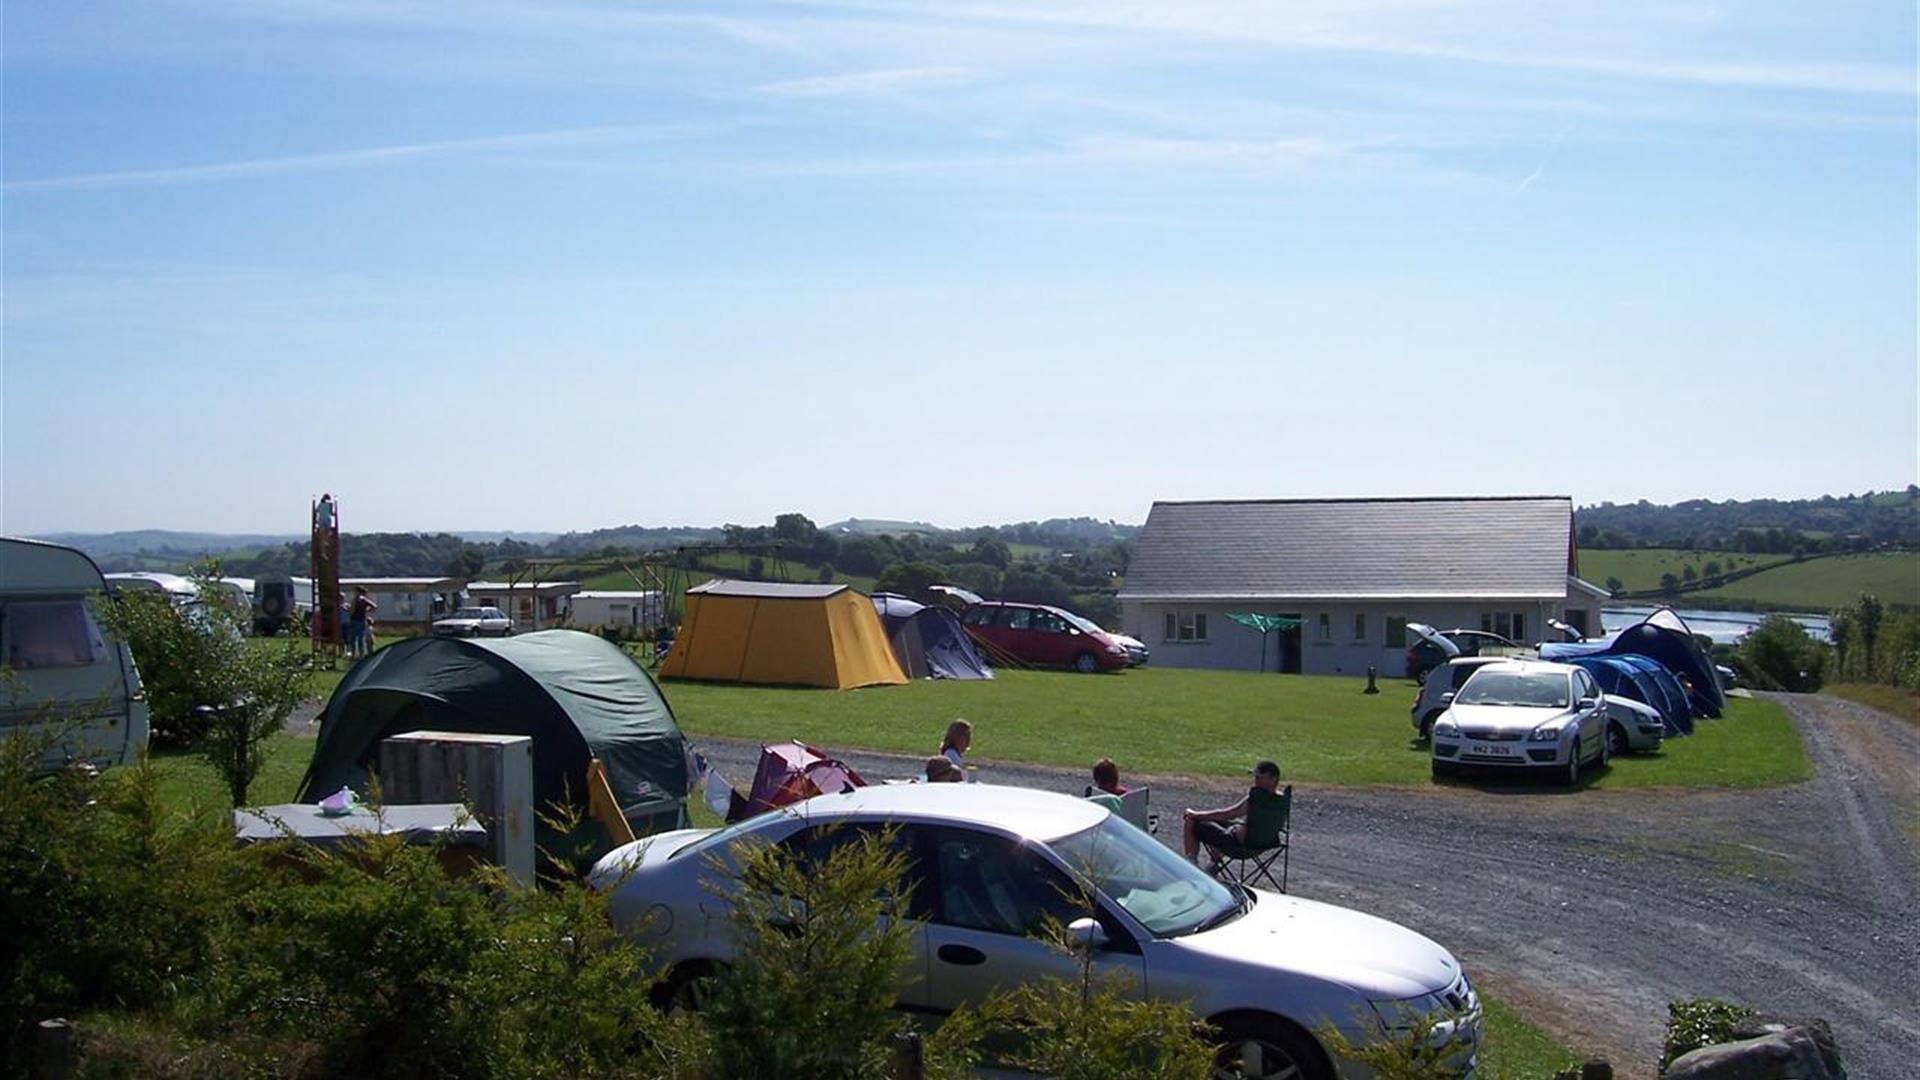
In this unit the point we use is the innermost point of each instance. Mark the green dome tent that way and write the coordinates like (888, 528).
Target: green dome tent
(577, 695)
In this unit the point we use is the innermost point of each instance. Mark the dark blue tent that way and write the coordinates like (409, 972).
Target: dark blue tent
(928, 641)
(1621, 678)
(1668, 686)
(1661, 636)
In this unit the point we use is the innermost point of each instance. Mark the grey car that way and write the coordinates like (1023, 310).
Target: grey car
(993, 863)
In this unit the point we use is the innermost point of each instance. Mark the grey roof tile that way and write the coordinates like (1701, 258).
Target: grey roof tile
(1505, 547)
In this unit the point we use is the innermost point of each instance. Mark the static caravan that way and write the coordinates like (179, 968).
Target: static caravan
(178, 589)
(67, 680)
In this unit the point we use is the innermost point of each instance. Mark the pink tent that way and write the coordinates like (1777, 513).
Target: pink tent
(790, 772)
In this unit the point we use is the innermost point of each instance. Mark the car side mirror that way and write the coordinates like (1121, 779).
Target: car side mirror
(1589, 702)
(1087, 934)
(1446, 698)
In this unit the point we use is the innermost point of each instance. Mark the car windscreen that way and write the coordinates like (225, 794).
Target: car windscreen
(1167, 894)
(472, 613)
(720, 838)
(1539, 690)
(1085, 626)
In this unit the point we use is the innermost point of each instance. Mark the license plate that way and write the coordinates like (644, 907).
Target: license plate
(1491, 751)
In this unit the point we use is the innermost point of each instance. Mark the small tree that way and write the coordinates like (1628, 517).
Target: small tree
(1840, 630)
(1615, 585)
(1669, 583)
(207, 685)
(1867, 614)
(1712, 569)
(817, 964)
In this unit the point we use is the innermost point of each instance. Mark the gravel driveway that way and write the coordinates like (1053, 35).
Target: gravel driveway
(1590, 912)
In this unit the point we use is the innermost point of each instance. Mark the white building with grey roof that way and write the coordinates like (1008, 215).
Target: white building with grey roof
(1353, 572)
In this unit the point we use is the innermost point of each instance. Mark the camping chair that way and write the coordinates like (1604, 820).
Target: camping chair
(1269, 838)
(1131, 807)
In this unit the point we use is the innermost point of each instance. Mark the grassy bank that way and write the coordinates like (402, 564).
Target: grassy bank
(1321, 728)
(1892, 700)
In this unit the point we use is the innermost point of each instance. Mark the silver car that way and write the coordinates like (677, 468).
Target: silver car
(1524, 714)
(1633, 726)
(993, 864)
(474, 622)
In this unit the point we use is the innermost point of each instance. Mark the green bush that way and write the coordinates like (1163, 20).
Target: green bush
(1699, 1022)
(109, 901)
(1781, 655)
(817, 963)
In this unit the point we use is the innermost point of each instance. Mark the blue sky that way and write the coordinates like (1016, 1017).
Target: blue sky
(505, 264)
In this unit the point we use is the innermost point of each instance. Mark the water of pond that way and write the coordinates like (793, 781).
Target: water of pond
(1726, 627)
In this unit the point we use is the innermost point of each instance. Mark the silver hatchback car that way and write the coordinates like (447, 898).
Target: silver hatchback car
(993, 864)
(1524, 714)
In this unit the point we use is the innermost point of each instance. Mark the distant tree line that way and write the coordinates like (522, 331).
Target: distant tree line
(1759, 526)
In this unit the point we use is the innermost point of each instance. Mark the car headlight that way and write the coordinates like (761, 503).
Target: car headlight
(1548, 733)
(1444, 726)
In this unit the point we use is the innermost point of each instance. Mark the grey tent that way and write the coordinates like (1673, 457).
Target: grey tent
(576, 695)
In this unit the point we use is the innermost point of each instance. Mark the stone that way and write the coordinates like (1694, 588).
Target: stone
(1795, 1053)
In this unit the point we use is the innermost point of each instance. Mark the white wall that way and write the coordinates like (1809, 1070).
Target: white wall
(1232, 646)
(629, 611)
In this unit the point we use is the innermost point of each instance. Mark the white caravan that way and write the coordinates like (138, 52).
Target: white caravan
(63, 678)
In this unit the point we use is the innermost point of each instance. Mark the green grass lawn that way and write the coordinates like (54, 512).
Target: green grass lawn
(1892, 700)
(1321, 729)
(1516, 1050)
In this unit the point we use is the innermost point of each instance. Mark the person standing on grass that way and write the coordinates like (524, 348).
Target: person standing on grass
(359, 623)
(1204, 826)
(954, 746)
(1106, 777)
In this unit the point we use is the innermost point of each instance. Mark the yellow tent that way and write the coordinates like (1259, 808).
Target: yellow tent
(807, 635)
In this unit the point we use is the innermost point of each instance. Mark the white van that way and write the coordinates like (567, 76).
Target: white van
(66, 679)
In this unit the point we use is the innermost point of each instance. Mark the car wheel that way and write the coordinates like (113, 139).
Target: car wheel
(1616, 742)
(1442, 769)
(1572, 776)
(684, 991)
(1086, 663)
(1267, 1048)
(1426, 724)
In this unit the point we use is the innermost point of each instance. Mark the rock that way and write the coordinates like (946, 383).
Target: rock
(1794, 1053)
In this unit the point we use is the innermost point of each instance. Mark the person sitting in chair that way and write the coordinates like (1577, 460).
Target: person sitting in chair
(1106, 777)
(942, 771)
(1204, 826)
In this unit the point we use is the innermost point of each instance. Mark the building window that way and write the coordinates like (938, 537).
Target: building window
(1186, 626)
(1326, 627)
(1359, 627)
(1511, 625)
(1396, 632)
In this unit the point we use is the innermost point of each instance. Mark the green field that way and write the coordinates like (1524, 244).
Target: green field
(1321, 729)
(1828, 583)
(1640, 568)
(1816, 584)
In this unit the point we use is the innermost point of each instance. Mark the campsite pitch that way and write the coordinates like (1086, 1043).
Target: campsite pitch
(1321, 729)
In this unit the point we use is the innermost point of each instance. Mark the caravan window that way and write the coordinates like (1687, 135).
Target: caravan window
(49, 633)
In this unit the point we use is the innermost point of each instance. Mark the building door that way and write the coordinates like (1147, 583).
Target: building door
(1290, 645)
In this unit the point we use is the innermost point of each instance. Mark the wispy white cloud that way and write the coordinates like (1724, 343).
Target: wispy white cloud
(1553, 150)
(1392, 29)
(871, 83)
(363, 158)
